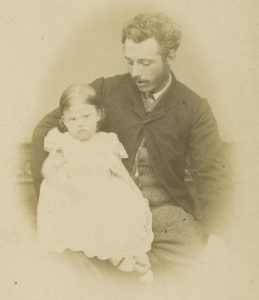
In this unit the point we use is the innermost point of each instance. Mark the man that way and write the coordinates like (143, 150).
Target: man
(162, 124)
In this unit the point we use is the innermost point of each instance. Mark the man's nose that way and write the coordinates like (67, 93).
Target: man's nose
(135, 70)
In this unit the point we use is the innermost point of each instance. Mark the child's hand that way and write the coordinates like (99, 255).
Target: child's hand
(127, 264)
(142, 264)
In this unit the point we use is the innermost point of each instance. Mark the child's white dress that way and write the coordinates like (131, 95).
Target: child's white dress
(97, 212)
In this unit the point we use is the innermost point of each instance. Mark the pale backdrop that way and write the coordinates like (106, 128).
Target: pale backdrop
(47, 45)
(50, 44)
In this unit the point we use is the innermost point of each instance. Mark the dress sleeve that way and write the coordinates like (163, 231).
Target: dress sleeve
(54, 143)
(117, 147)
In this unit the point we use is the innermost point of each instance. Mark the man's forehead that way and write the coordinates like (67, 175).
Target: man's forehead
(144, 49)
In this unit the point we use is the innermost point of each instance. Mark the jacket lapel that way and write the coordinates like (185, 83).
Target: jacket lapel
(135, 99)
(168, 100)
(170, 97)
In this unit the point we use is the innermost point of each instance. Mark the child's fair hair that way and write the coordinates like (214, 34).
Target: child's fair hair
(79, 93)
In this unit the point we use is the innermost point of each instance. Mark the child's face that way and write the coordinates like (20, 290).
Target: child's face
(81, 120)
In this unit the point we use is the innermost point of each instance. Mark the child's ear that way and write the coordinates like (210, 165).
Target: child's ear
(101, 116)
(62, 125)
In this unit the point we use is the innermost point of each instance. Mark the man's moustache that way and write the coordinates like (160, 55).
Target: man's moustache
(138, 80)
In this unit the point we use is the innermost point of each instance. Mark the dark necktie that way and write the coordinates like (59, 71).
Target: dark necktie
(149, 101)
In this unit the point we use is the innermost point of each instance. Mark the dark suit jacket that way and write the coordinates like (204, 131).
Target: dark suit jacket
(181, 125)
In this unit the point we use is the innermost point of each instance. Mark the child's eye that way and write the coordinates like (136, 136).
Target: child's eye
(129, 61)
(85, 116)
(71, 119)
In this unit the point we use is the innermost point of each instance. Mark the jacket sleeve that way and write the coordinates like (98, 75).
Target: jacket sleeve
(209, 168)
(51, 120)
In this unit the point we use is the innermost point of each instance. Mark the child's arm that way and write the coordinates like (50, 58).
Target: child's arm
(53, 169)
(120, 171)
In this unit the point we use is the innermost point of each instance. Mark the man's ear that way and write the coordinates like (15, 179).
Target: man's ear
(171, 57)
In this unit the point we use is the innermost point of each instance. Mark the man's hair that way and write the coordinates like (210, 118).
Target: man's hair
(157, 26)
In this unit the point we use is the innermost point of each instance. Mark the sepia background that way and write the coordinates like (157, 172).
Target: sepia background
(45, 46)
